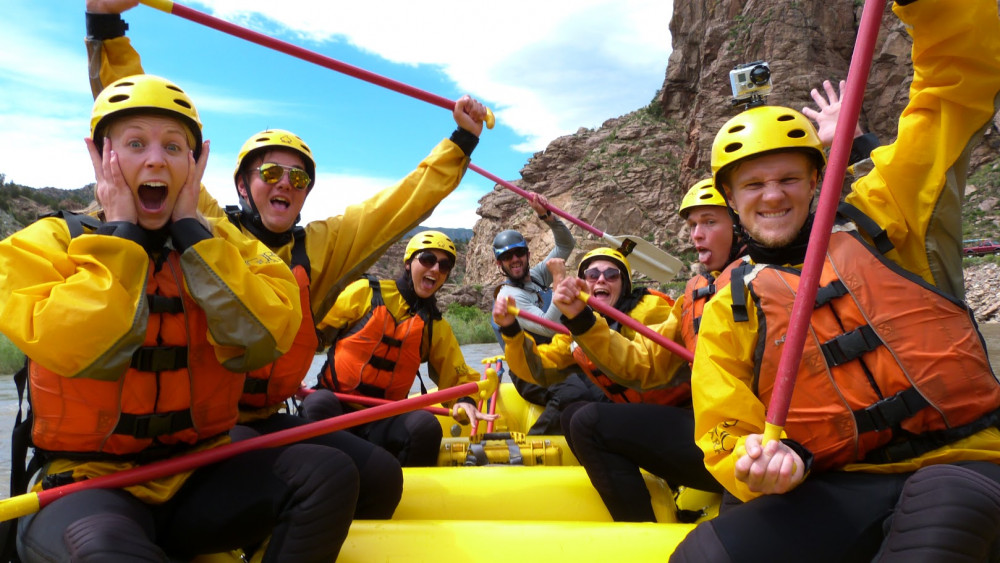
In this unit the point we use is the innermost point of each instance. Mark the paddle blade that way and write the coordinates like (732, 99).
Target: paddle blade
(646, 258)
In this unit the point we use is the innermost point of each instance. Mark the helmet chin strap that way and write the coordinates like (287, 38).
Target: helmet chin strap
(251, 220)
(250, 211)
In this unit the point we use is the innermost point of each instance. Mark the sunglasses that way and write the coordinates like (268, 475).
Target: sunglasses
(272, 172)
(428, 259)
(520, 252)
(611, 274)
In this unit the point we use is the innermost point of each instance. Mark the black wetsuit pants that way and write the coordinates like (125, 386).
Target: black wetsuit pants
(413, 437)
(938, 513)
(381, 475)
(301, 496)
(614, 440)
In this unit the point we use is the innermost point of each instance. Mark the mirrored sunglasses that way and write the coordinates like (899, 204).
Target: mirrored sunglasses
(428, 259)
(520, 252)
(272, 172)
(611, 274)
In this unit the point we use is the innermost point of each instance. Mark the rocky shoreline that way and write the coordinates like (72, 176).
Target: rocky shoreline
(982, 291)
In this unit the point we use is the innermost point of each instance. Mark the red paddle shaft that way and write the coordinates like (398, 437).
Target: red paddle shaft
(190, 461)
(819, 237)
(202, 18)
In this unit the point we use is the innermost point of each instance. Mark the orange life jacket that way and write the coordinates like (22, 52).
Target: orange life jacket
(697, 292)
(678, 392)
(377, 356)
(274, 383)
(891, 368)
(174, 394)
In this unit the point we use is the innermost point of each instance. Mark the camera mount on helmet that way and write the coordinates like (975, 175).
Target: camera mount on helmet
(751, 84)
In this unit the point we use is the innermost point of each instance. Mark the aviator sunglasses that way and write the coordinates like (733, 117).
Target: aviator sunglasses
(520, 252)
(611, 274)
(271, 172)
(428, 259)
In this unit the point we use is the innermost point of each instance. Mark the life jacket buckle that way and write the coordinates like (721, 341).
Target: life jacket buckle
(890, 412)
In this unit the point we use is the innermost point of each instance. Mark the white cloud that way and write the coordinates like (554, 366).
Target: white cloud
(548, 67)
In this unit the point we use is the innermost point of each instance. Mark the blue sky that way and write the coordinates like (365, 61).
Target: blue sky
(545, 68)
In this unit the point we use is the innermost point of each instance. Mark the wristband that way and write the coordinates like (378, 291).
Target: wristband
(546, 216)
(465, 140)
(105, 26)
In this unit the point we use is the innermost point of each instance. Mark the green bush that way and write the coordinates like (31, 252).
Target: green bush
(471, 325)
(11, 359)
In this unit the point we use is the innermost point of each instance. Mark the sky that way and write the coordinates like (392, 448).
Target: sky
(545, 68)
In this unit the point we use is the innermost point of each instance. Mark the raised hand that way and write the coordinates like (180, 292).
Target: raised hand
(469, 114)
(828, 113)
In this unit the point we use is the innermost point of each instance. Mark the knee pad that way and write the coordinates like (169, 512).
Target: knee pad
(321, 404)
(583, 421)
(381, 486)
(702, 545)
(944, 511)
(424, 437)
(110, 538)
(322, 494)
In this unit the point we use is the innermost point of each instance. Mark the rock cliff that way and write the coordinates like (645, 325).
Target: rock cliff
(627, 176)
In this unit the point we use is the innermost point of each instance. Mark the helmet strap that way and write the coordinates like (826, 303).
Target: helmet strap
(250, 217)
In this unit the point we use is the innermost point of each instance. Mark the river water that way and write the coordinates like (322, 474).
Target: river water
(474, 354)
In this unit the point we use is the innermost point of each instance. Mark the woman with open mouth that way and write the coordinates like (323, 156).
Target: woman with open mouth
(382, 330)
(605, 274)
(139, 322)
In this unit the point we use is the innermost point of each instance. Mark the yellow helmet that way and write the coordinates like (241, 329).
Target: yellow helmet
(763, 129)
(277, 138)
(429, 240)
(611, 255)
(702, 193)
(144, 93)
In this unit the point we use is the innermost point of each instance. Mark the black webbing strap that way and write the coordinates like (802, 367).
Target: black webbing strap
(254, 386)
(381, 364)
(369, 390)
(391, 342)
(829, 292)
(890, 412)
(299, 255)
(850, 346)
(917, 445)
(868, 226)
(148, 426)
(739, 305)
(703, 292)
(164, 304)
(160, 358)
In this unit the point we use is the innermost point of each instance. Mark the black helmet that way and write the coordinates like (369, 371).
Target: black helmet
(507, 240)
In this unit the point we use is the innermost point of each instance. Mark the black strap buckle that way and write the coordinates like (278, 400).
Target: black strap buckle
(890, 412)
(160, 358)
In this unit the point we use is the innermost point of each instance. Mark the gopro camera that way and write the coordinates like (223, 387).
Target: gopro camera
(751, 83)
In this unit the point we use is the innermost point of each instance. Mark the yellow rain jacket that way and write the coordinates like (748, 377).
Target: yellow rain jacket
(445, 363)
(547, 364)
(78, 307)
(912, 193)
